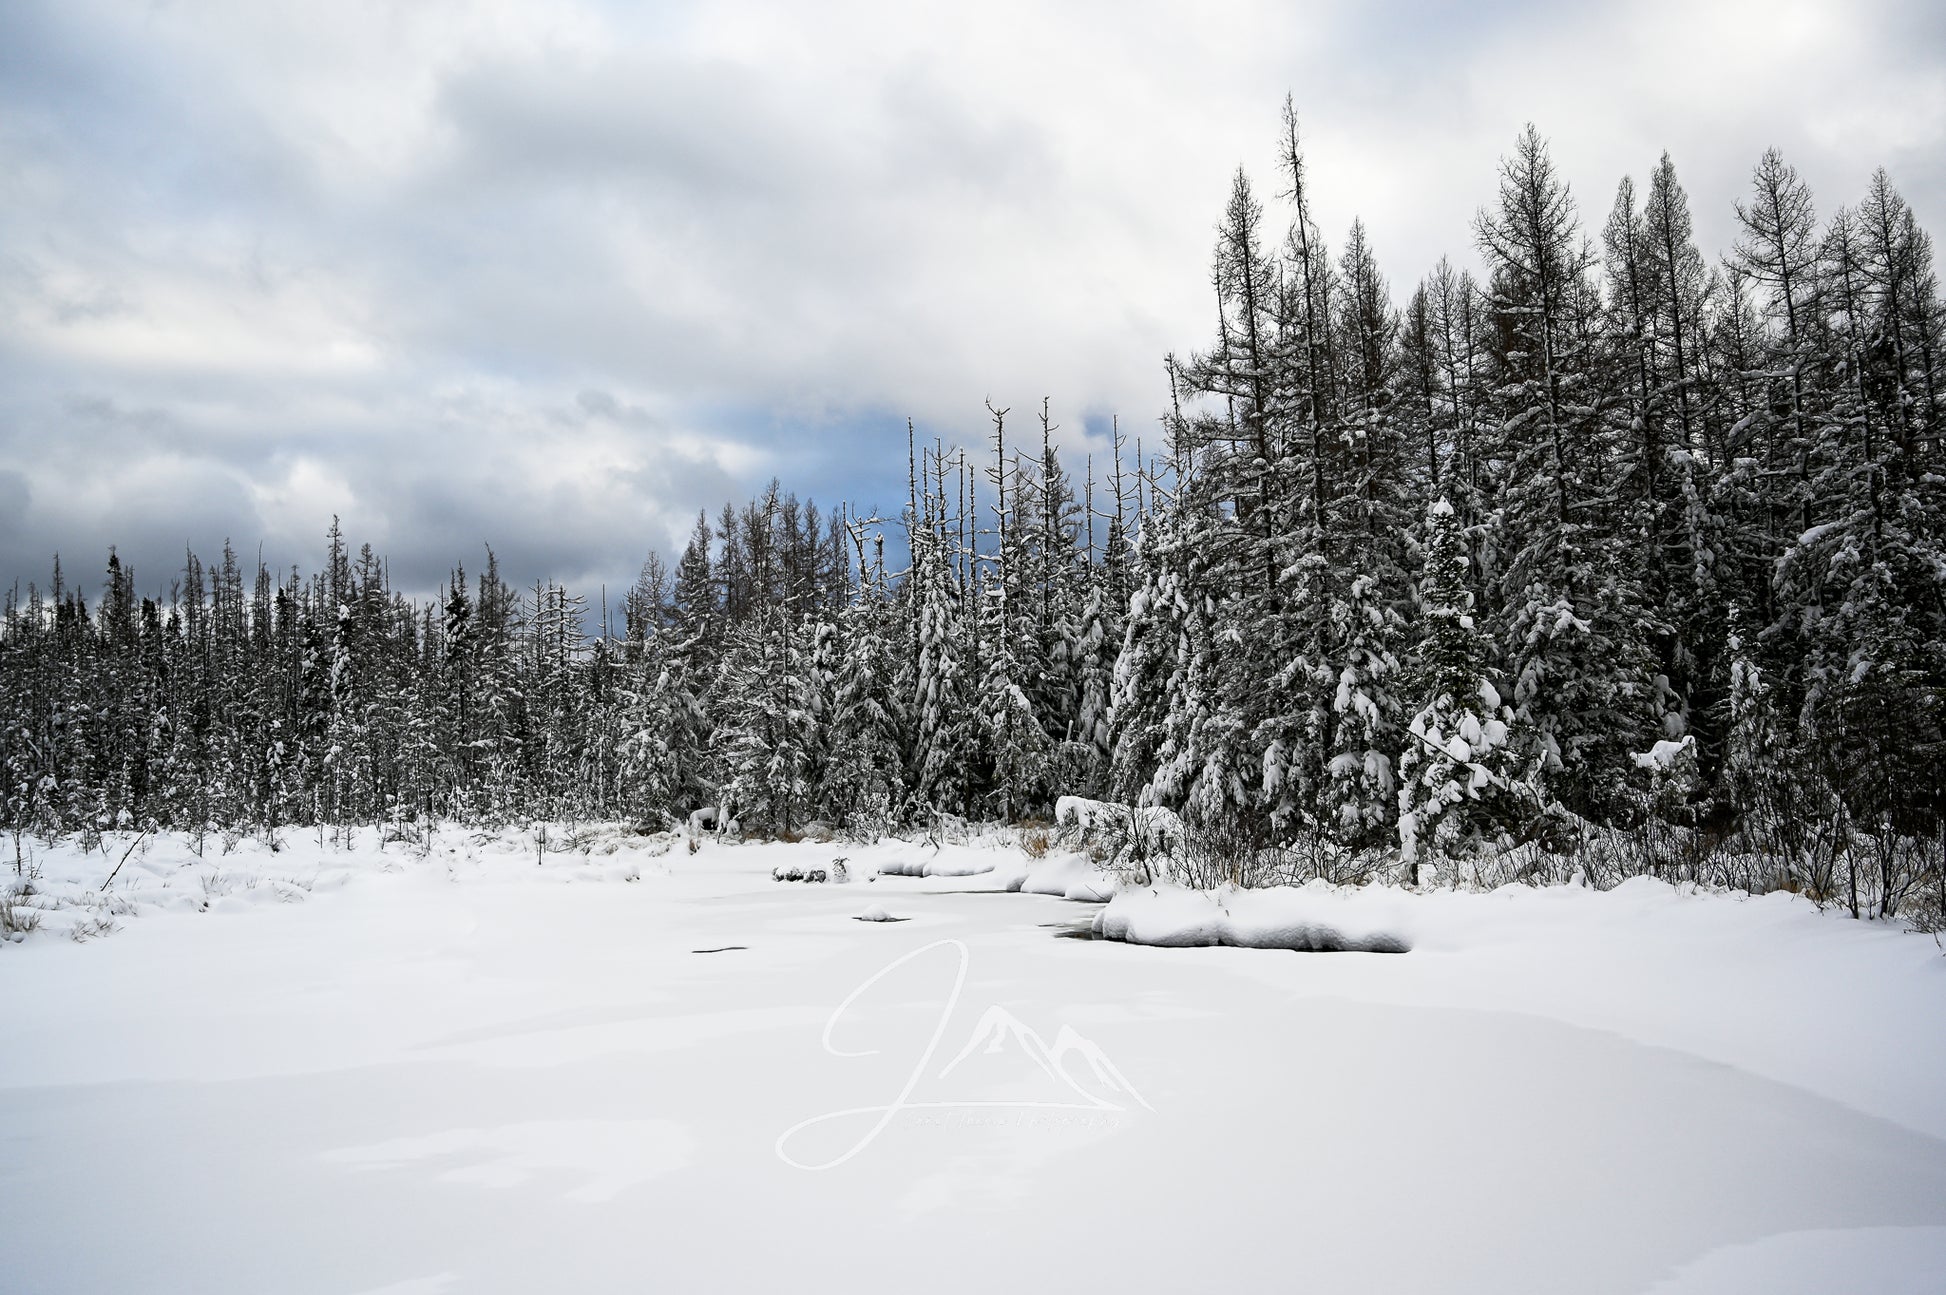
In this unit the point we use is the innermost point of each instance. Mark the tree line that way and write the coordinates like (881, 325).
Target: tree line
(1613, 550)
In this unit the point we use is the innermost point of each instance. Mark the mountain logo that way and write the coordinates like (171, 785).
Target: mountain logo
(999, 1027)
(1081, 1071)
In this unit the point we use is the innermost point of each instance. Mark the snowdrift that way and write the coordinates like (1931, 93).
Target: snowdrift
(70, 891)
(1311, 918)
(1071, 875)
(1067, 875)
(949, 861)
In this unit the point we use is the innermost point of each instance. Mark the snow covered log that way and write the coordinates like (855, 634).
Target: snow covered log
(949, 861)
(1311, 918)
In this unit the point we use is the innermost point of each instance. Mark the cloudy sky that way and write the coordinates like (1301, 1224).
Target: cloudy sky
(552, 275)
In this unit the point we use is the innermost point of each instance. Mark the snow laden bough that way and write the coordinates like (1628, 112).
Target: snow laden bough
(1313, 918)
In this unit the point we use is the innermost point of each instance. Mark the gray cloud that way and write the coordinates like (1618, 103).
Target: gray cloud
(553, 276)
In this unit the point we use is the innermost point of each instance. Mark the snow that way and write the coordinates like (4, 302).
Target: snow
(1069, 875)
(705, 820)
(1314, 917)
(614, 1154)
(459, 1066)
(1087, 815)
(1885, 1261)
(876, 913)
(1662, 757)
(941, 861)
(1079, 811)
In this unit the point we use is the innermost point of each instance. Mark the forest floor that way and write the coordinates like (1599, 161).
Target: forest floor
(449, 1067)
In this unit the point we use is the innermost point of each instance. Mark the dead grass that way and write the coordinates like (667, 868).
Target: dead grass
(17, 920)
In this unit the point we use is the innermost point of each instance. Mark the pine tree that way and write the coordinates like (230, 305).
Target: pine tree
(943, 724)
(861, 786)
(1573, 626)
(1458, 796)
(1374, 515)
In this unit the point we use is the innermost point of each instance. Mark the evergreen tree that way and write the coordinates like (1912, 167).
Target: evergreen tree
(1457, 798)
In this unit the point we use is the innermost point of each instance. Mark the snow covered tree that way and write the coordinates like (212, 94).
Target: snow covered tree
(1654, 509)
(943, 719)
(1458, 796)
(1573, 627)
(861, 785)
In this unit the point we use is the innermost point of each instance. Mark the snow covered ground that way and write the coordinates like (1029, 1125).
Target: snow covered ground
(634, 1068)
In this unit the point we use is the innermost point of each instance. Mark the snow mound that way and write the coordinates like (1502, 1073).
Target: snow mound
(1068, 875)
(948, 862)
(1072, 875)
(1312, 918)
(876, 913)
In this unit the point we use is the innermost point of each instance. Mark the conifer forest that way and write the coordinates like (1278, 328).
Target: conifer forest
(1615, 555)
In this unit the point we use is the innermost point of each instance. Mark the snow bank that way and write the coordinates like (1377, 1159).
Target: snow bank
(1070, 875)
(67, 890)
(1312, 918)
(948, 861)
